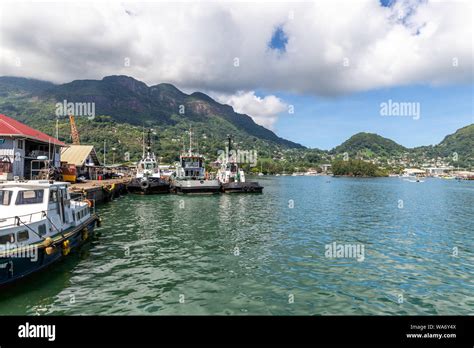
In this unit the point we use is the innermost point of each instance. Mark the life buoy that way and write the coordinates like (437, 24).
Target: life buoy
(145, 184)
(89, 203)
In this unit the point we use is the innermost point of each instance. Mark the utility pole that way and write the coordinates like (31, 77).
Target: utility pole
(104, 153)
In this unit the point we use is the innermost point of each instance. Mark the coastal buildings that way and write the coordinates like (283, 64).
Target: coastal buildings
(24, 151)
(84, 157)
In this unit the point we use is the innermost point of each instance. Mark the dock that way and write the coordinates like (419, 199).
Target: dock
(100, 191)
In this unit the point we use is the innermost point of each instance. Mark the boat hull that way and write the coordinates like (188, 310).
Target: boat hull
(15, 266)
(149, 186)
(242, 187)
(196, 186)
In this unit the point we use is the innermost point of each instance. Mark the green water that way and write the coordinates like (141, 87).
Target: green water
(265, 254)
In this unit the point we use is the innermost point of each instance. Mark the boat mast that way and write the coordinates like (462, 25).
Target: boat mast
(148, 142)
(143, 142)
(190, 141)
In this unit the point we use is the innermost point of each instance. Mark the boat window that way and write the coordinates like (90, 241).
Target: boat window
(22, 236)
(8, 238)
(42, 230)
(53, 196)
(5, 197)
(29, 197)
(149, 166)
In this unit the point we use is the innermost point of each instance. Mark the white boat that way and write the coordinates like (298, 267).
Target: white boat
(39, 224)
(232, 177)
(311, 173)
(148, 177)
(191, 176)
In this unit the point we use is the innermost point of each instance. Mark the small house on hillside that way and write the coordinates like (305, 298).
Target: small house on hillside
(25, 151)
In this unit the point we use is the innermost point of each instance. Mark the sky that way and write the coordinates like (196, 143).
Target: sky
(315, 72)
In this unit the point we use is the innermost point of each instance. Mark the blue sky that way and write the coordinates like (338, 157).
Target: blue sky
(327, 122)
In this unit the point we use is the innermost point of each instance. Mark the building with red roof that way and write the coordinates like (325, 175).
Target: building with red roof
(12, 128)
(25, 150)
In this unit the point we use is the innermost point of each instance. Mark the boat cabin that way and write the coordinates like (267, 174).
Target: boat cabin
(33, 210)
(192, 166)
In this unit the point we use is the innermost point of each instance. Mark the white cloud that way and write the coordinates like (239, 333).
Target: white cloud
(193, 45)
(264, 111)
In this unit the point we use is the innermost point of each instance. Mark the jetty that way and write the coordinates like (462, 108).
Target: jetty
(100, 191)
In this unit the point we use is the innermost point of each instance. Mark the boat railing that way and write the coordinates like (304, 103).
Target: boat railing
(18, 220)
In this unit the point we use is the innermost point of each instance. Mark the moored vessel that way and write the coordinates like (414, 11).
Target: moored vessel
(232, 177)
(190, 176)
(40, 224)
(148, 178)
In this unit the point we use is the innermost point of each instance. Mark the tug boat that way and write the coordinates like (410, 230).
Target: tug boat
(148, 178)
(232, 177)
(190, 175)
(40, 224)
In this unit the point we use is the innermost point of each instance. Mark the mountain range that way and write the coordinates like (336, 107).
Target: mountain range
(124, 106)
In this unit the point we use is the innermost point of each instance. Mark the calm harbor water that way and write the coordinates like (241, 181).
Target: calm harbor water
(265, 254)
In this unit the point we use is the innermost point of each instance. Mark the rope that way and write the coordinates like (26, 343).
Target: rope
(28, 227)
(47, 218)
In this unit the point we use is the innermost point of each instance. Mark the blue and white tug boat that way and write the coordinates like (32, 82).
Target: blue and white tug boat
(40, 224)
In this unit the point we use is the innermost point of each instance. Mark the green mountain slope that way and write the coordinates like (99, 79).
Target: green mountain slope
(369, 145)
(131, 101)
(124, 106)
(457, 148)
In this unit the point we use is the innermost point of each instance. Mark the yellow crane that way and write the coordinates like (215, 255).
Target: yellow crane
(74, 132)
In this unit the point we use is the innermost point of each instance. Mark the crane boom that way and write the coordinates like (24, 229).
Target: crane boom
(74, 132)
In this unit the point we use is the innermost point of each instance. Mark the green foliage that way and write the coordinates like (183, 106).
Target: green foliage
(369, 145)
(458, 148)
(357, 168)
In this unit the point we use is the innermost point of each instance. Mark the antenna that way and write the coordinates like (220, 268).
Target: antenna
(148, 143)
(143, 141)
(104, 152)
(190, 140)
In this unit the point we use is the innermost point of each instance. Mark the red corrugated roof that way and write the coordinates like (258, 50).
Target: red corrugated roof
(11, 127)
